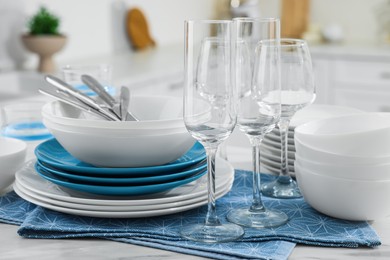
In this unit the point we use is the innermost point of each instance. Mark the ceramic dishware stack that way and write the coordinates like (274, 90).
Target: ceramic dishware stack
(102, 168)
(342, 165)
(271, 145)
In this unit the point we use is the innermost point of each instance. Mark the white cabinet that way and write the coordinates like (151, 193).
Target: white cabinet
(359, 79)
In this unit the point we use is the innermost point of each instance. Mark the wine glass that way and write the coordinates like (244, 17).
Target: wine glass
(258, 85)
(298, 91)
(209, 111)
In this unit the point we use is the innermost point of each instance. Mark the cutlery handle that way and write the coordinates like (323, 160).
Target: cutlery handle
(93, 84)
(65, 87)
(64, 97)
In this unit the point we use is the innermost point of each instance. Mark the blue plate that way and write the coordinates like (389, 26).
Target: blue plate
(121, 190)
(53, 154)
(196, 168)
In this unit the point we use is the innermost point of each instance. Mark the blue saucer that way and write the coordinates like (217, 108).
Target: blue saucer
(103, 180)
(52, 153)
(121, 190)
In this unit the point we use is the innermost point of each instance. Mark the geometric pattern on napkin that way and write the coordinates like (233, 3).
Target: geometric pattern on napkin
(306, 226)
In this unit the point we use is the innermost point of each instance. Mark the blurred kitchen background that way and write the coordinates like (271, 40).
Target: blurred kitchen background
(349, 41)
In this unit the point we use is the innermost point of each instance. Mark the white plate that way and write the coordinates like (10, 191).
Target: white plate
(276, 139)
(277, 145)
(113, 214)
(276, 151)
(124, 208)
(264, 153)
(276, 171)
(275, 165)
(28, 178)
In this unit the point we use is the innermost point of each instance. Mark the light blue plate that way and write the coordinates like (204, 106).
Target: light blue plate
(53, 154)
(195, 169)
(119, 190)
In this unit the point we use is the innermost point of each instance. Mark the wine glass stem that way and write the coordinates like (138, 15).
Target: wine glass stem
(257, 204)
(211, 217)
(283, 127)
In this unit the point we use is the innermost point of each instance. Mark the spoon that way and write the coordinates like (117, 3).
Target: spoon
(124, 101)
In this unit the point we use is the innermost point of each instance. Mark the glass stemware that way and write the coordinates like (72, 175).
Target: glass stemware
(209, 111)
(298, 91)
(258, 86)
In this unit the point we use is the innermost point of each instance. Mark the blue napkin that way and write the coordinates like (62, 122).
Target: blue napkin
(306, 226)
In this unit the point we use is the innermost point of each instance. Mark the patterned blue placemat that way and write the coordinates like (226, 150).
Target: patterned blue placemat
(306, 226)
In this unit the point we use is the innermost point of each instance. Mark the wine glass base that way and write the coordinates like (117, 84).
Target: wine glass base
(263, 219)
(212, 234)
(281, 190)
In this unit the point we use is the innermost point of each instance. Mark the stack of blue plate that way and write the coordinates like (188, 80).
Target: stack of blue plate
(58, 166)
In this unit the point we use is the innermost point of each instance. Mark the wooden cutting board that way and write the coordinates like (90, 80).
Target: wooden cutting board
(138, 29)
(295, 18)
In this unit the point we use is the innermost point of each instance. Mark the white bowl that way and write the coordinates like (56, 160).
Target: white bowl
(49, 123)
(125, 150)
(12, 156)
(154, 112)
(313, 154)
(371, 171)
(365, 134)
(345, 198)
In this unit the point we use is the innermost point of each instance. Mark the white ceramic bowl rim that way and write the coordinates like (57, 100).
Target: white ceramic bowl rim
(304, 171)
(355, 157)
(116, 133)
(306, 128)
(10, 146)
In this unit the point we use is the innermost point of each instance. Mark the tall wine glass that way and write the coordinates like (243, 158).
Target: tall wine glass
(298, 91)
(209, 111)
(258, 84)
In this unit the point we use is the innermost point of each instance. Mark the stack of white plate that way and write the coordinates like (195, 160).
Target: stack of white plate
(271, 145)
(60, 182)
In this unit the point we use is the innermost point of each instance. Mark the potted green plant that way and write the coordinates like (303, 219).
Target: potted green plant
(44, 39)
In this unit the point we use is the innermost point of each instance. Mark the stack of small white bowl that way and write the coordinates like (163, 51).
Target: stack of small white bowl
(122, 144)
(342, 165)
(271, 145)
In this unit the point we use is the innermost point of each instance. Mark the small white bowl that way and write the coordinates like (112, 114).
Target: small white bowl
(124, 150)
(313, 154)
(365, 134)
(345, 198)
(368, 172)
(12, 156)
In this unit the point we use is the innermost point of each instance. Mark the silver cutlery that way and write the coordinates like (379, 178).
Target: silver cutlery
(68, 89)
(70, 100)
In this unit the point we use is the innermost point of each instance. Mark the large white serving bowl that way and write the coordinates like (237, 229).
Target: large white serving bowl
(314, 154)
(123, 150)
(154, 112)
(345, 198)
(369, 171)
(12, 155)
(364, 134)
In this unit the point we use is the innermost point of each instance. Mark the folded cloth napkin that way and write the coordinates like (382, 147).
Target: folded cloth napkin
(305, 226)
